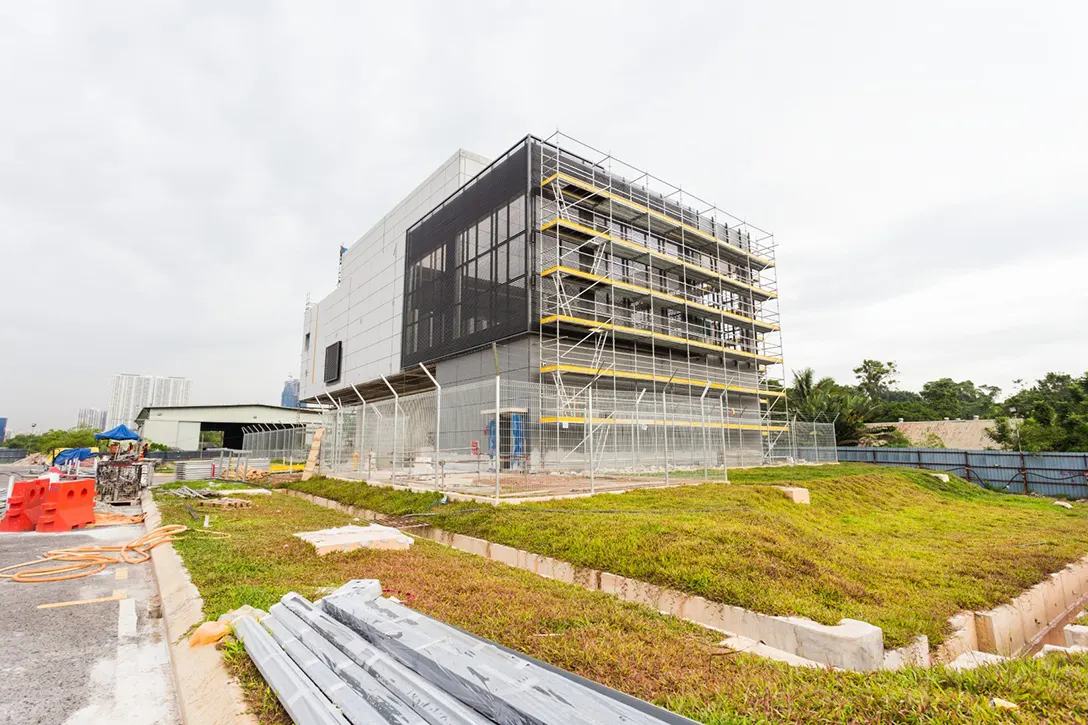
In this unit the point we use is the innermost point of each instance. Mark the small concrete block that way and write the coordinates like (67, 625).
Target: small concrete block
(1000, 630)
(752, 647)
(915, 654)
(851, 645)
(1076, 635)
(963, 638)
(942, 477)
(505, 554)
(644, 593)
(1033, 610)
(470, 544)
(587, 578)
(670, 602)
(562, 571)
(545, 566)
(971, 659)
(795, 494)
(349, 538)
(527, 561)
(612, 584)
(1063, 504)
(1053, 648)
(1073, 584)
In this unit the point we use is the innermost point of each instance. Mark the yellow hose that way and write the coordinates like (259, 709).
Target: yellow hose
(83, 561)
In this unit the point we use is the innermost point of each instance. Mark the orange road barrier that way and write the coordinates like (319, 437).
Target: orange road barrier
(68, 505)
(24, 505)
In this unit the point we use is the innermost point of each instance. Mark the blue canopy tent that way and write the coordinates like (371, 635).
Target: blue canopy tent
(73, 454)
(120, 433)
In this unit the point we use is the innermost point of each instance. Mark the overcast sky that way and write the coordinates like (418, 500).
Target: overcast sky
(176, 177)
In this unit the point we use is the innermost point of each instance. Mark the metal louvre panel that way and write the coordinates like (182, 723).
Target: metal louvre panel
(466, 266)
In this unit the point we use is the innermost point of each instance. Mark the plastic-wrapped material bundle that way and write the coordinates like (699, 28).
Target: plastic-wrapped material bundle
(295, 691)
(359, 663)
(498, 684)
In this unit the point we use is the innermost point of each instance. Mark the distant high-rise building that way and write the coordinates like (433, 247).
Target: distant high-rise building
(91, 418)
(3, 429)
(289, 396)
(131, 393)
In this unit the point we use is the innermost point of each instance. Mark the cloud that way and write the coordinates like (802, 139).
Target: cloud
(176, 177)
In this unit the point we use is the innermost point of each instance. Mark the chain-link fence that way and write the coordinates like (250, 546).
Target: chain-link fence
(287, 446)
(511, 438)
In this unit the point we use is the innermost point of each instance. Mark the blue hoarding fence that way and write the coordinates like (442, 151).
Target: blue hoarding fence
(1047, 474)
(10, 455)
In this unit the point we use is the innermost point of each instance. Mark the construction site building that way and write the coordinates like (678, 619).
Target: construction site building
(617, 306)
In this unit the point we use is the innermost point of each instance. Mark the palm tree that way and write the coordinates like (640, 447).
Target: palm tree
(826, 401)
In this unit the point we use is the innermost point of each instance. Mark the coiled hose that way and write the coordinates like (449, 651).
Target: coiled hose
(84, 561)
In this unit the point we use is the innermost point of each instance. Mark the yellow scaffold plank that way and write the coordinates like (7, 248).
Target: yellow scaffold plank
(580, 370)
(656, 214)
(763, 326)
(658, 421)
(736, 283)
(594, 324)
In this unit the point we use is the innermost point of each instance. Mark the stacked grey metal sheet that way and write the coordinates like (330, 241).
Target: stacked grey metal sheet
(355, 657)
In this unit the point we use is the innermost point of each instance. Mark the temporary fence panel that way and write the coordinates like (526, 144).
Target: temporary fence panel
(1047, 474)
(497, 434)
(282, 446)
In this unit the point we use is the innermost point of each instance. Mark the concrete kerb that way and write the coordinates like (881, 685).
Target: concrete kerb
(207, 695)
(850, 645)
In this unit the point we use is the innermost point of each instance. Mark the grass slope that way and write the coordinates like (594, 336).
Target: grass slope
(893, 547)
(625, 646)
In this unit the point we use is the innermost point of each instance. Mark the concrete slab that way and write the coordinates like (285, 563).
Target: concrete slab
(964, 638)
(1048, 649)
(915, 654)
(795, 494)
(971, 659)
(350, 538)
(1000, 630)
(752, 647)
(1076, 635)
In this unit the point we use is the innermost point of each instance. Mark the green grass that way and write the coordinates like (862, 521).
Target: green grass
(894, 547)
(201, 485)
(625, 646)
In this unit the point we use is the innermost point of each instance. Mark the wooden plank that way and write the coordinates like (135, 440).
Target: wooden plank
(311, 460)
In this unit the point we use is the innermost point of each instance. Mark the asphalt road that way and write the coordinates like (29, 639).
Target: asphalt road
(92, 663)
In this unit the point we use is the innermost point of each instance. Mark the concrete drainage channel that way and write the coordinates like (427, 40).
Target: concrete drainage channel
(1036, 619)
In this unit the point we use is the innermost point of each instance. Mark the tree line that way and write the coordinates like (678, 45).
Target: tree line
(77, 437)
(1051, 415)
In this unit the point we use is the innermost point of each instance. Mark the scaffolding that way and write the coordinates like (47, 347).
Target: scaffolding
(644, 287)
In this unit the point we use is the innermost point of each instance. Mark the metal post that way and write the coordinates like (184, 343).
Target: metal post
(702, 420)
(665, 424)
(362, 429)
(396, 429)
(336, 435)
(725, 449)
(498, 441)
(437, 420)
(637, 438)
(1024, 472)
(589, 436)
